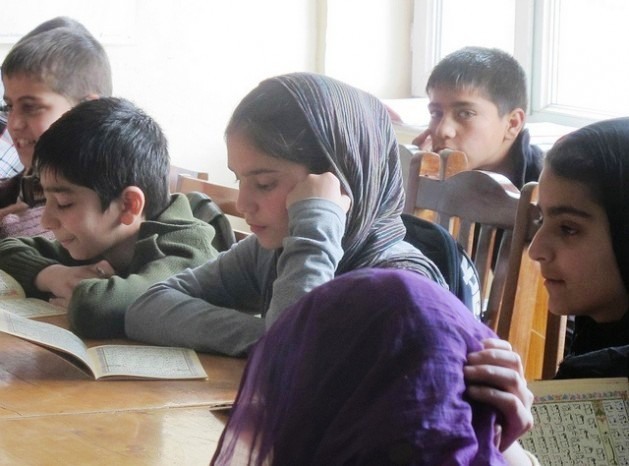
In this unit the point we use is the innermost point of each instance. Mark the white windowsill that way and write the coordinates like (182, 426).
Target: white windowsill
(414, 119)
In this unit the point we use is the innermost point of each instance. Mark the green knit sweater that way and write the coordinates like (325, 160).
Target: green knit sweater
(166, 245)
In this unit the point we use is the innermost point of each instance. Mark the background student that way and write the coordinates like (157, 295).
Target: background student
(320, 185)
(366, 369)
(582, 245)
(48, 71)
(478, 105)
(104, 171)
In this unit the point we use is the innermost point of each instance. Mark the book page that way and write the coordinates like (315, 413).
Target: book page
(44, 334)
(31, 308)
(9, 287)
(584, 421)
(155, 362)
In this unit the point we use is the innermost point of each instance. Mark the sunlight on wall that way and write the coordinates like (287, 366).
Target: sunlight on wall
(368, 45)
(186, 63)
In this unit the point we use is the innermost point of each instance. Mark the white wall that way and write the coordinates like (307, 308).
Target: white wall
(368, 45)
(189, 62)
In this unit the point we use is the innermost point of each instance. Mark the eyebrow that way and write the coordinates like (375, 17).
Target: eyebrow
(457, 104)
(259, 171)
(59, 190)
(567, 210)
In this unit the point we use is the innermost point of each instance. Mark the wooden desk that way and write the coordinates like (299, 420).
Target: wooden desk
(53, 413)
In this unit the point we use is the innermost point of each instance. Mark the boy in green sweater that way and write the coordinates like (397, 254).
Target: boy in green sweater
(104, 170)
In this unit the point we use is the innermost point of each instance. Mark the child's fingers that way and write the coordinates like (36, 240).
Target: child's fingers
(517, 418)
(103, 269)
(496, 343)
(497, 353)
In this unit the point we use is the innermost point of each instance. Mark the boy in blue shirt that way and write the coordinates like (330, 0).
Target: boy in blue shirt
(478, 104)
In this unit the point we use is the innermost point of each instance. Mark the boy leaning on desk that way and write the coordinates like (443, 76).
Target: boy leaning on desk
(104, 171)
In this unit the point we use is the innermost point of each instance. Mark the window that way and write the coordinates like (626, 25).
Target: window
(572, 50)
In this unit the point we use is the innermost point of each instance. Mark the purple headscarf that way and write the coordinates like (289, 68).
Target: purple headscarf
(366, 369)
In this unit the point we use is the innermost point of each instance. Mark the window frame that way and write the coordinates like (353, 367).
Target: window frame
(535, 47)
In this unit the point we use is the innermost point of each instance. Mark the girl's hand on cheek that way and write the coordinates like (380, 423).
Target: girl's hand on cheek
(324, 186)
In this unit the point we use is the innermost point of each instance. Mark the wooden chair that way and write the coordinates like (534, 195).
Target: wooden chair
(523, 319)
(479, 209)
(512, 287)
(175, 171)
(224, 196)
(416, 162)
(516, 300)
(438, 166)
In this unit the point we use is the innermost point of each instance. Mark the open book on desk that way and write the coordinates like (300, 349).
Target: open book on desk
(14, 300)
(119, 361)
(580, 421)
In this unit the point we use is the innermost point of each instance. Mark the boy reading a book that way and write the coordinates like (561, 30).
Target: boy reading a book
(478, 105)
(104, 170)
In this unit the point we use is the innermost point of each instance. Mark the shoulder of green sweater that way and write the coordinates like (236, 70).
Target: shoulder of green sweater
(177, 209)
(176, 214)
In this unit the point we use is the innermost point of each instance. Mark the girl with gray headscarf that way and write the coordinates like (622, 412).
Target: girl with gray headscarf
(320, 186)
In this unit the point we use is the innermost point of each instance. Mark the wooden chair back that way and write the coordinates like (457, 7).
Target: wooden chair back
(479, 210)
(225, 196)
(523, 319)
(416, 162)
(175, 171)
(475, 209)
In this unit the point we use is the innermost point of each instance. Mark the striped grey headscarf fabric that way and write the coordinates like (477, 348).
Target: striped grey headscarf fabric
(356, 135)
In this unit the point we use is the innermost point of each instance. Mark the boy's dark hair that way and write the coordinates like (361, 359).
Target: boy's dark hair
(108, 145)
(68, 59)
(493, 72)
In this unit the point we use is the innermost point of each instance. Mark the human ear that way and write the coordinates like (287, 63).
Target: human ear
(90, 97)
(133, 202)
(515, 122)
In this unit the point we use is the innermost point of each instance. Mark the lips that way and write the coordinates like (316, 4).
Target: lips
(256, 229)
(21, 142)
(65, 242)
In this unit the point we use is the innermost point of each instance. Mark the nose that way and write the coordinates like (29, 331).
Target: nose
(48, 219)
(539, 249)
(15, 121)
(445, 128)
(245, 202)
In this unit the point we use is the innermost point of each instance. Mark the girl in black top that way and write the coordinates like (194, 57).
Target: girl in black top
(583, 244)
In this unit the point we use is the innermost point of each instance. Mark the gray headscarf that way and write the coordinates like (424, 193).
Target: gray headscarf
(356, 136)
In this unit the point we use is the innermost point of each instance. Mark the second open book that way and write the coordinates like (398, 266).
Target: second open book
(14, 300)
(580, 421)
(107, 361)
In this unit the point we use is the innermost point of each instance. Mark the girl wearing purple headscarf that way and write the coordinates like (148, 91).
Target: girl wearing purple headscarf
(364, 370)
